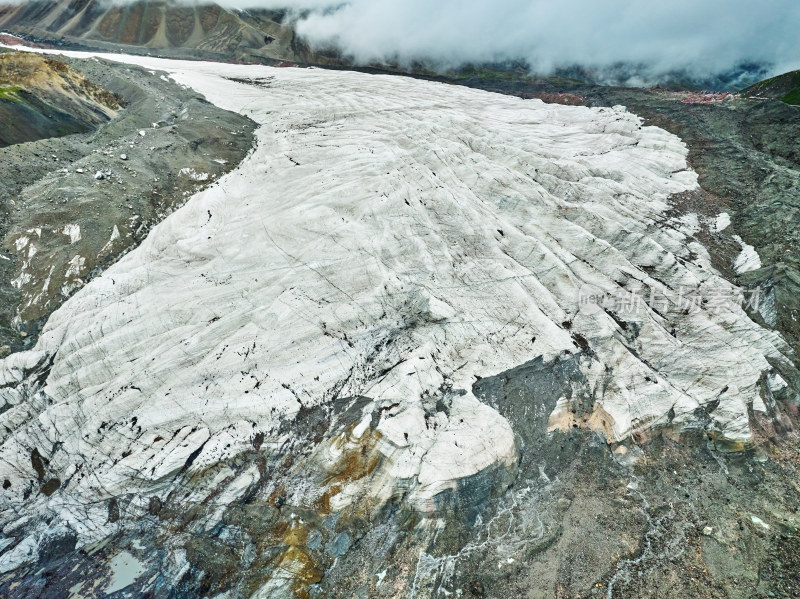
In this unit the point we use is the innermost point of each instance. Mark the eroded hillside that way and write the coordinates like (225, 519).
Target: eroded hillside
(43, 97)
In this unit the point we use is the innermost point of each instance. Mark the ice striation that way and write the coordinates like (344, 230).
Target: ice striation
(388, 239)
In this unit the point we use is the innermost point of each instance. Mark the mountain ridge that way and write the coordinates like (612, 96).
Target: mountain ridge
(165, 27)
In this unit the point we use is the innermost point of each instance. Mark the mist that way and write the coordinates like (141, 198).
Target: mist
(630, 41)
(698, 37)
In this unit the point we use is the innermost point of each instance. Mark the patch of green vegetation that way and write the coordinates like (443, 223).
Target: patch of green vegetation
(793, 97)
(10, 93)
(486, 73)
(561, 81)
(509, 74)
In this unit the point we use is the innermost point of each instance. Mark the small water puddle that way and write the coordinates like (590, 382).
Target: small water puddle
(125, 570)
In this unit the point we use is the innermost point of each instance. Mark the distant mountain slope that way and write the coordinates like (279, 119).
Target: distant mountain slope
(167, 27)
(784, 87)
(41, 97)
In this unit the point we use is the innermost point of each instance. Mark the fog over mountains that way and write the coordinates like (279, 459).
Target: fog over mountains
(715, 44)
(711, 36)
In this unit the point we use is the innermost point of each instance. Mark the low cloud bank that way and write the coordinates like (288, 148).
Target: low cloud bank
(640, 38)
(698, 37)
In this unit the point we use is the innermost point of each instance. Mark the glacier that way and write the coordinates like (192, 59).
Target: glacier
(389, 239)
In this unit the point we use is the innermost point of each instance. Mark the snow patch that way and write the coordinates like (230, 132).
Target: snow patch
(722, 222)
(194, 175)
(76, 265)
(72, 231)
(114, 236)
(748, 259)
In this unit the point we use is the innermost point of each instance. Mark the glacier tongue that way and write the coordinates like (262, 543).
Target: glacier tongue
(388, 238)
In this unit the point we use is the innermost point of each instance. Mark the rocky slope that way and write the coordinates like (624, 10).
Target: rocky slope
(43, 97)
(425, 341)
(165, 27)
(785, 88)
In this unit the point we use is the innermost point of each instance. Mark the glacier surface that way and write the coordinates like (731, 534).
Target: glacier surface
(387, 238)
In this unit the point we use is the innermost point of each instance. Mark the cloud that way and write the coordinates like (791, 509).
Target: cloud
(697, 36)
(646, 38)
